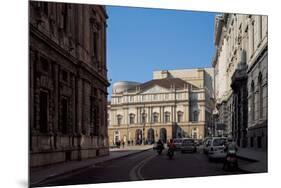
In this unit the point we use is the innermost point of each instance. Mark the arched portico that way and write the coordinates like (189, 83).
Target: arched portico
(150, 136)
(163, 135)
(138, 137)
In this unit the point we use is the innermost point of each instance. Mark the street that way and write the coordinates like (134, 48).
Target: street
(146, 165)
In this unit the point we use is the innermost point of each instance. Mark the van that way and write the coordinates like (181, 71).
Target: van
(216, 148)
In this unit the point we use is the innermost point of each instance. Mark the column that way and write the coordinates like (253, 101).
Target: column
(259, 28)
(186, 114)
(138, 116)
(251, 38)
(160, 115)
(79, 91)
(202, 110)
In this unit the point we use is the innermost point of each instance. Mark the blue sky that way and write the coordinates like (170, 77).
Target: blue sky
(141, 40)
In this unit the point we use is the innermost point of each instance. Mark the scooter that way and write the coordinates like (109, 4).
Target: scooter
(231, 161)
(160, 149)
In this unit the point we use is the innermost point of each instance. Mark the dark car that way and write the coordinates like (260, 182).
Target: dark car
(188, 145)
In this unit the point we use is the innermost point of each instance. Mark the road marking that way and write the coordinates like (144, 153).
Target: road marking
(135, 173)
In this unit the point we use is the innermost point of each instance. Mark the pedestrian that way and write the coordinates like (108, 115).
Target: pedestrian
(123, 143)
(118, 143)
(128, 142)
(132, 142)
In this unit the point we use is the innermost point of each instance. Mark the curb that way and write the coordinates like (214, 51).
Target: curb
(246, 158)
(81, 168)
(245, 171)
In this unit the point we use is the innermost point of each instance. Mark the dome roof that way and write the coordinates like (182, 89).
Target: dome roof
(119, 87)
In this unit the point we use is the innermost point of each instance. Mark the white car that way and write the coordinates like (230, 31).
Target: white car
(216, 148)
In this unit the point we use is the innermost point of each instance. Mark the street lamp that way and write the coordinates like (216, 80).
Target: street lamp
(143, 129)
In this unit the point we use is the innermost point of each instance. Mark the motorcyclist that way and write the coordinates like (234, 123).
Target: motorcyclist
(231, 147)
(231, 150)
(160, 144)
(171, 148)
(171, 145)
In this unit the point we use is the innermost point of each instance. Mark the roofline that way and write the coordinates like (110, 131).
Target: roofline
(185, 69)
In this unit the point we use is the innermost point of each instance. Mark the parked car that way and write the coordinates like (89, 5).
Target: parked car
(216, 149)
(188, 145)
(178, 142)
(198, 142)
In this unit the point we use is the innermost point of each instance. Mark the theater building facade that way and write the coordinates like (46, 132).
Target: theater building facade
(174, 104)
(67, 82)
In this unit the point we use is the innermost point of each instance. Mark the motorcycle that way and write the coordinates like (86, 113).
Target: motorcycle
(170, 153)
(231, 161)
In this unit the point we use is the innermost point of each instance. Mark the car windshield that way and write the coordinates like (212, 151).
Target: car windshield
(177, 141)
(219, 142)
(188, 142)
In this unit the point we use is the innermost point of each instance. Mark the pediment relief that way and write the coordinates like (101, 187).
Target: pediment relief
(154, 89)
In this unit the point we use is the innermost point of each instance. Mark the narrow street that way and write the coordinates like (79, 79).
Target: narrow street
(146, 165)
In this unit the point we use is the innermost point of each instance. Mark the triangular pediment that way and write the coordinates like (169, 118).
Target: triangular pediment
(154, 89)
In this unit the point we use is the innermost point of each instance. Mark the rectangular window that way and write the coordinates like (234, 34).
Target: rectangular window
(65, 16)
(143, 118)
(64, 76)
(119, 120)
(43, 112)
(45, 7)
(132, 119)
(44, 64)
(252, 142)
(64, 114)
(259, 141)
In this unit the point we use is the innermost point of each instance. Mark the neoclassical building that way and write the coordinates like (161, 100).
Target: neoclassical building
(67, 82)
(241, 71)
(175, 103)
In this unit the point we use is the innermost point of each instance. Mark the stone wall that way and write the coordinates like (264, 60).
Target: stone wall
(66, 71)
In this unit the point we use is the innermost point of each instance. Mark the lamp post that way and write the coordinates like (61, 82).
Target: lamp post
(143, 128)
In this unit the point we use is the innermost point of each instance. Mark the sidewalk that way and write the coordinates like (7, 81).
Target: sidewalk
(41, 174)
(257, 160)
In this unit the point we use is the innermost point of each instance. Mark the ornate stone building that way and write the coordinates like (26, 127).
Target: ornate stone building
(67, 82)
(240, 64)
(175, 103)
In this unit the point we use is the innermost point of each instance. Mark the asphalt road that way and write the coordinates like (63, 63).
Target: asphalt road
(146, 165)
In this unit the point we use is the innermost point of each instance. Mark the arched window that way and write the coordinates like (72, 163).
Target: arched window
(132, 118)
(253, 101)
(260, 96)
(155, 117)
(195, 116)
(119, 119)
(180, 116)
(143, 117)
(167, 117)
